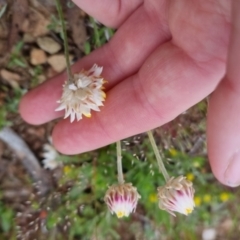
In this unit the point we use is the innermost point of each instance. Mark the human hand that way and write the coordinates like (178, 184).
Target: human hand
(165, 57)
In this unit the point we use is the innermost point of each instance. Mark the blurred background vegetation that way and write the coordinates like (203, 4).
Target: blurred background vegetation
(72, 207)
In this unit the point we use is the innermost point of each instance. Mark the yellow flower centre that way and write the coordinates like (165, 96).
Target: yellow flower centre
(188, 210)
(120, 214)
(88, 115)
(103, 94)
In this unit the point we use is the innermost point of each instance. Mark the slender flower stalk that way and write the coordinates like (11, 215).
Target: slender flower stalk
(121, 198)
(119, 163)
(158, 157)
(66, 51)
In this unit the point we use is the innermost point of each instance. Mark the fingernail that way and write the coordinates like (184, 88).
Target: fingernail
(232, 173)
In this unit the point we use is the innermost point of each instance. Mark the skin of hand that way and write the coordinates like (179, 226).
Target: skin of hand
(165, 57)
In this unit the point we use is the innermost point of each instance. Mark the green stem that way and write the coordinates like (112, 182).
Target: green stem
(96, 33)
(66, 51)
(158, 157)
(119, 163)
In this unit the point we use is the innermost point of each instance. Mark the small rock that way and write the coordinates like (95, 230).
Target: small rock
(10, 77)
(41, 78)
(37, 56)
(57, 62)
(227, 225)
(28, 38)
(209, 234)
(48, 45)
(50, 72)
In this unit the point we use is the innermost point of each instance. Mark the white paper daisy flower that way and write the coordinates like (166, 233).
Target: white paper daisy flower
(50, 155)
(84, 94)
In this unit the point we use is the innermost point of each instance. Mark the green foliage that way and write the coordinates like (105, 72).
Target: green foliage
(56, 25)
(3, 118)
(35, 73)
(6, 217)
(16, 58)
(100, 36)
(82, 208)
(10, 105)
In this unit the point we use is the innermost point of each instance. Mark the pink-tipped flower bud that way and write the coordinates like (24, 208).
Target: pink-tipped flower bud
(122, 199)
(177, 196)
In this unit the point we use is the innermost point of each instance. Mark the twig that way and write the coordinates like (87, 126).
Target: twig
(28, 159)
(19, 12)
(197, 145)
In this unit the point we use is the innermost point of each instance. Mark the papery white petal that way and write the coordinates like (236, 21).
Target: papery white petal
(72, 87)
(72, 117)
(79, 116)
(97, 71)
(61, 107)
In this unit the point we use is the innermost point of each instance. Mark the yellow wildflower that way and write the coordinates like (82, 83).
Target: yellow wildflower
(197, 201)
(190, 177)
(173, 152)
(153, 197)
(67, 169)
(207, 198)
(224, 196)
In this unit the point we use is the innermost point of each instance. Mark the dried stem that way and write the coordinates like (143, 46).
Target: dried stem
(119, 163)
(28, 159)
(66, 51)
(158, 157)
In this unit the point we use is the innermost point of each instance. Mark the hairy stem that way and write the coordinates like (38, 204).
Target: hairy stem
(66, 51)
(119, 163)
(158, 157)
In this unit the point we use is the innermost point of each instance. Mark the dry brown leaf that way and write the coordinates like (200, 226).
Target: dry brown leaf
(10, 77)
(36, 23)
(19, 13)
(78, 27)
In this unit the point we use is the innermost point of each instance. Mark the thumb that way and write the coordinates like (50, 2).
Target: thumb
(223, 127)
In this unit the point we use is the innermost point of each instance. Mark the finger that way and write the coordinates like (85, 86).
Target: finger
(224, 116)
(121, 57)
(108, 12)
(162, 89)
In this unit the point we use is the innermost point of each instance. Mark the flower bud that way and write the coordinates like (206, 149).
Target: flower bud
(177, 196)
(122, 199)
